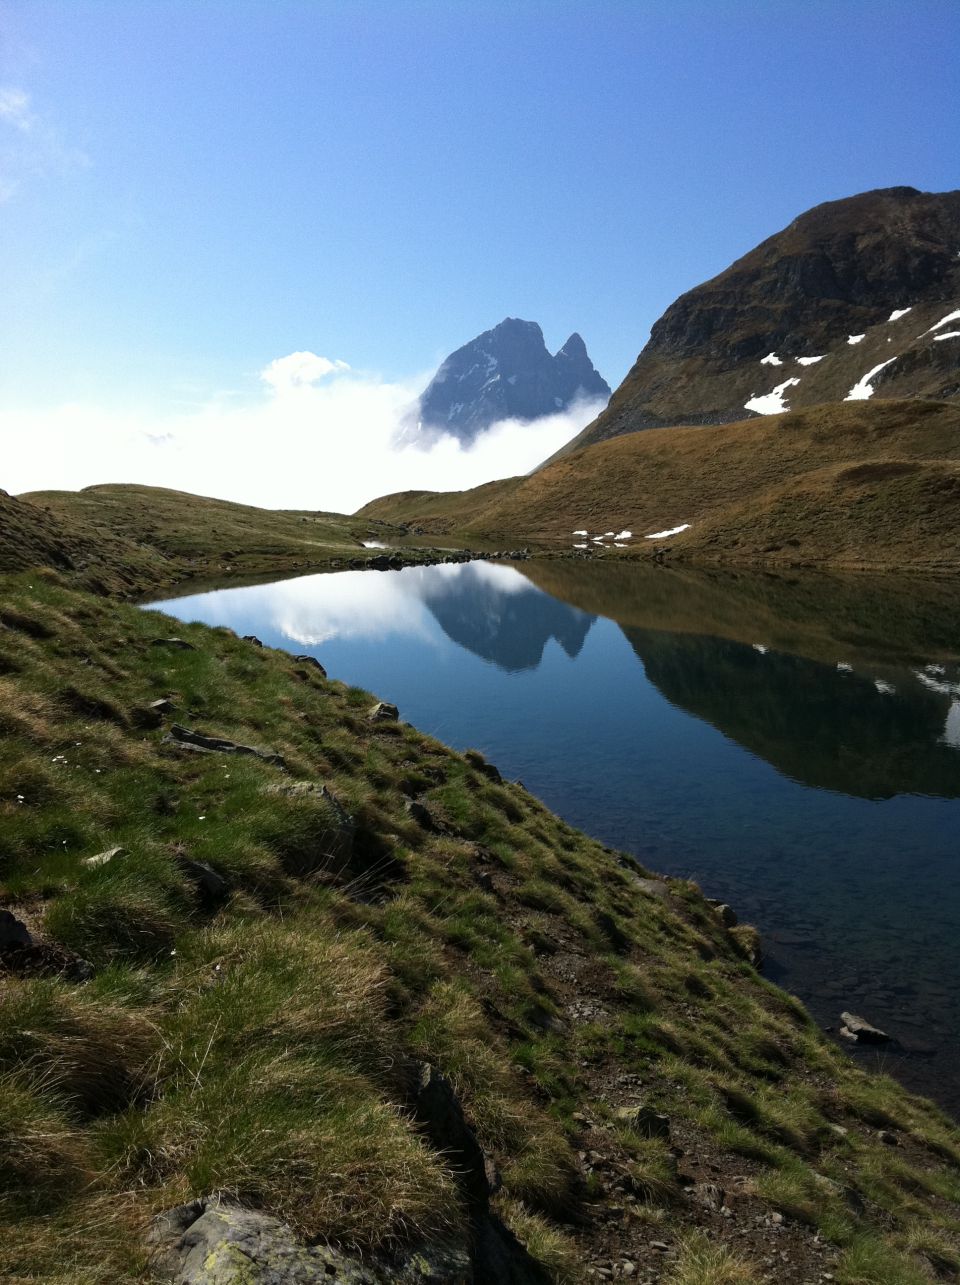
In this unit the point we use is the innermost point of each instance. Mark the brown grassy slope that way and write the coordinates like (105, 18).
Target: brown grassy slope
(788, 488)
(124, 539)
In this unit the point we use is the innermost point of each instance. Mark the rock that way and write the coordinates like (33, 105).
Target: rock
(252, 638)
(476, 760)
(101, 858)
(383, 712)
(163, 706)
(186, 739)
(726, 914)
(178, 644)
(888, 1139)
(13, 932)
(211, 886)
(658, 888)
(207, 1242)
(422, 815)
(645, 1121)
(312, 662)
(862, 1030)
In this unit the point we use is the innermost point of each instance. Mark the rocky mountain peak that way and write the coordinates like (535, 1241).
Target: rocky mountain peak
(507, 373)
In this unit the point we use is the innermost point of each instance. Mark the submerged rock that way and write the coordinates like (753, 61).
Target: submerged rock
(859, 1028)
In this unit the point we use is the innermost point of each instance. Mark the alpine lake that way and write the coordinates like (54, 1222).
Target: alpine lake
(789, 741)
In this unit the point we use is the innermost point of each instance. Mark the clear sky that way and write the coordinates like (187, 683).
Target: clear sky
(190, 189)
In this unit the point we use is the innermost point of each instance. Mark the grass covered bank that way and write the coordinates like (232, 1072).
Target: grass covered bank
(280, 936)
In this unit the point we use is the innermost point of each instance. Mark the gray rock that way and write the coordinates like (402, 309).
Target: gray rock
(335, 842)
(102, 858)
(252, 638)
(420, 813)
(186, 739)
(383, 712)
(178, 644)
(13, 932)
(209, 1242)
(163, 706)
(212, 887)
(312, 662)
(862, 1030)
(438, 1111)
(645, 1121)
(726, 914)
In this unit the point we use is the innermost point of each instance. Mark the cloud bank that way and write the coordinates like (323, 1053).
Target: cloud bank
(318, 436)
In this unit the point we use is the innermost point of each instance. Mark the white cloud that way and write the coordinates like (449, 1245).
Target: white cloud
(320, 436)
(30, 144)
(299, 369)
(15, 109)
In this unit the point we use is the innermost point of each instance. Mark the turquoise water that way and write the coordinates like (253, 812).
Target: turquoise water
(793, 745)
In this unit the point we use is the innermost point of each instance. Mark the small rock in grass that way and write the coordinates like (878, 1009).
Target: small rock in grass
(178, 644)
(383, 712)
(102, 858)
(252, 638)
(888, 1139)
(645, 1121)
(163, 706)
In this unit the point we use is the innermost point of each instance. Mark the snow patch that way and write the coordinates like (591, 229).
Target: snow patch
(885, 689)
(844, 668)
(580, 546)
(855, 339)
(760, 648)
(949, 334)
(771, 359)
(898, 313)
(580, 533)
(863, 388)
(951, 730)
(771, 403)
(809, 361)
(624, 535)
(674, 530)
(951, 316)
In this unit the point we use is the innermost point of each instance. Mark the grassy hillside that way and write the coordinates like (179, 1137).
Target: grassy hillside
(281, 938)
(127, 539)
(854, 485)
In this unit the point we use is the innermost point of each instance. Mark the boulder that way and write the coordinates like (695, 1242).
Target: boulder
(163, 706)
(383, 712)
(726, 914)
(252, 638)
(213, 1242)
(862, 1030)
(178, 644)
(186, 739)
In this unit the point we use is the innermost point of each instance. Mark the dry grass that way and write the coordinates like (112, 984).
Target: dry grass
(702, 1263)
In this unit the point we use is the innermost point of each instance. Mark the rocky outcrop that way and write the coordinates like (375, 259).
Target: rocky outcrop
(505, 373)
(849, 288)
(185, 738)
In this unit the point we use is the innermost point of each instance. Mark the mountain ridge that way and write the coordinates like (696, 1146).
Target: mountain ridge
(812, 304)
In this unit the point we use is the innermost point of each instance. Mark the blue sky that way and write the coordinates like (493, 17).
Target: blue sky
(189, 190)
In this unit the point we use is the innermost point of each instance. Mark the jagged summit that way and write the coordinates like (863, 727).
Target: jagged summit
(507, 373)
(860, 287)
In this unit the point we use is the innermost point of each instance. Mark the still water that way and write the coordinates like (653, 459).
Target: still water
(792, 743)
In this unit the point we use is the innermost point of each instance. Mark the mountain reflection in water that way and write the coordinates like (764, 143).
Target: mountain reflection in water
(792, 742)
